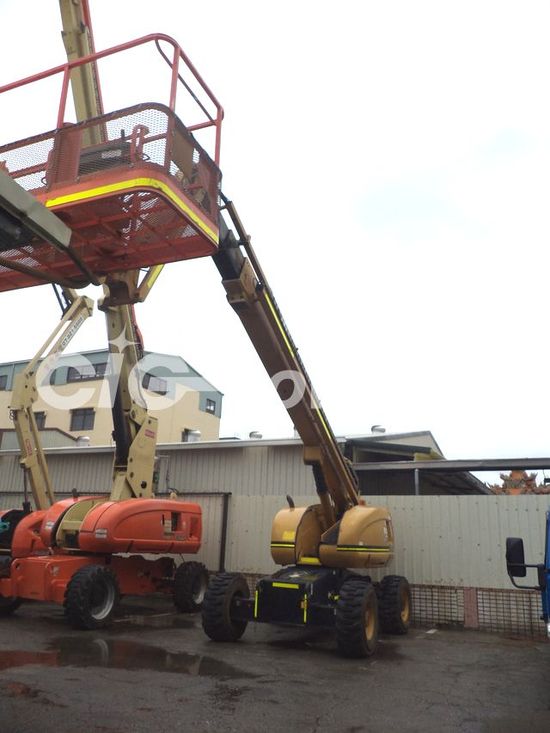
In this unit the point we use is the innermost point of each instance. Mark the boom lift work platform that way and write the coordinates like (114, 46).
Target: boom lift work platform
(142, 193)
(140, 198)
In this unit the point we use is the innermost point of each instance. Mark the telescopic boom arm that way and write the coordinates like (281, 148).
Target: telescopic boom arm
(249, 294)
(25, 393)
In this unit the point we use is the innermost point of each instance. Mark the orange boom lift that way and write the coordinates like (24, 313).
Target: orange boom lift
(134, 190)
(137, 190)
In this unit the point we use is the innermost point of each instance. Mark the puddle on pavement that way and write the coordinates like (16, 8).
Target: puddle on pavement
(127, 618)
(387, 652)
(156, 621)
(121, 654)
(323, 642)
(311, 641)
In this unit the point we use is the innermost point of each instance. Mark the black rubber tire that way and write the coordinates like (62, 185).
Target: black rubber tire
(395, 605)
(190, 585)
(357, 619)
(91, 597)
(8, 604)
(216, 608)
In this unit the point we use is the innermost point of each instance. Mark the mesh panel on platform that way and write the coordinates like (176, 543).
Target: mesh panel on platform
(134, 186)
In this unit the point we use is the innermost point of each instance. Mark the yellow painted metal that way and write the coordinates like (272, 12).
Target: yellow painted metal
(405, 606)
(278, 322)
(364, 539)
(148, 281)
(302, 523)
(370, 623)
(285, 585)
(308, 561)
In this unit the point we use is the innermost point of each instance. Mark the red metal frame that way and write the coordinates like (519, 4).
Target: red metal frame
(138, 211)
(45, 577)
(179, 56)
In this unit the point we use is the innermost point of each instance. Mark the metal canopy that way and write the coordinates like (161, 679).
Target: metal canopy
(483, 464)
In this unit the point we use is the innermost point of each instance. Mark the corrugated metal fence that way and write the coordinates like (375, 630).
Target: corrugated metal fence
(451, 548)
(440, 540)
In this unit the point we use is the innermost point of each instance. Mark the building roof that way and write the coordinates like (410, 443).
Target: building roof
(423, 440)
(175, 364)
(391, 450)
(396, 448)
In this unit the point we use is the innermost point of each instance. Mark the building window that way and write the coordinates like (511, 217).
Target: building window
(86, 371)
(40, 419)
(82, 419)
(77, 374)
(210, 406)
(190, 436)
(3, 381)
(100, 369)
(155, 384)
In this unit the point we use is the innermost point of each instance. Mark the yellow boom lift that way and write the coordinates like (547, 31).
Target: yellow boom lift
(321, 546)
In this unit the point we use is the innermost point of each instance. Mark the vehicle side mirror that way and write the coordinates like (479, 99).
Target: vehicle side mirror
(515, 557)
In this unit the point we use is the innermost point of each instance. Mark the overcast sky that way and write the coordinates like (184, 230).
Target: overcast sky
(391, 162)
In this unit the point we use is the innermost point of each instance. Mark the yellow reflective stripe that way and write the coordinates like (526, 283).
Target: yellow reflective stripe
(154, 272)
(322, 419)
(305, 608)
(256, 604)
(282, 544)
(285, 585)
(361, 548)
(279, 324)
(135, 183)
(309, 561)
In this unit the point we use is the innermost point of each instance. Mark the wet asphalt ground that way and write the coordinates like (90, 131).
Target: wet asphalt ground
(154, 670)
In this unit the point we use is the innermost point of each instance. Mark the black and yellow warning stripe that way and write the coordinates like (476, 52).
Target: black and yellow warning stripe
(277, 545)
(363, 548)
